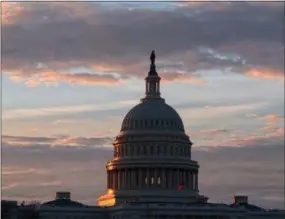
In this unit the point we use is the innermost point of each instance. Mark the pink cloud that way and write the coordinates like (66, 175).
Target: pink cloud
(52, 78)
(265, 73)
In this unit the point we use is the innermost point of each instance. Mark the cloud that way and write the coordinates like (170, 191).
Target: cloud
(272, 121)
(214, 131)
(53, 78)
(59, 110)
(81, 170)
(59, 141)
(245, 37)
(13, 171)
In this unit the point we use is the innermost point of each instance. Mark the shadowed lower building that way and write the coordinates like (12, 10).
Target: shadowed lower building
(152, 174)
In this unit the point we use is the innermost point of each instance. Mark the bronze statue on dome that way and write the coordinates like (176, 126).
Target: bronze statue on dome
(152, 57)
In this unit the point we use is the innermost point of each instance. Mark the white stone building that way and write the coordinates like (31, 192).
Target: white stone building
(152, 174)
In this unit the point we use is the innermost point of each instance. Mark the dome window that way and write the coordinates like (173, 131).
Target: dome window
(152, 180)
(158, 181)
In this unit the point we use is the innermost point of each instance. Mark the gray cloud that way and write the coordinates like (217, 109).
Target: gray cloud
(243, 36)
(56, 141)
(224, 171)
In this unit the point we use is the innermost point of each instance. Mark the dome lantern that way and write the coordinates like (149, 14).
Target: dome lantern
(152, 80)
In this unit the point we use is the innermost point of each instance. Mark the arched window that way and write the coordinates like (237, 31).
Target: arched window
(152, 180)
(145, 180)
(158, 181)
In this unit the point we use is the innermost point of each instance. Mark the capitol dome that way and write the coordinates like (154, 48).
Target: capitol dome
(152, 154)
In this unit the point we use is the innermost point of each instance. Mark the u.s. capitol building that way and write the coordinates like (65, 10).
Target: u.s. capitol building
(152, 174)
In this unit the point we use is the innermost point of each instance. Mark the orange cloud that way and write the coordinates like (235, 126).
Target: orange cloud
(60, 141)
(87, 45)
(265, 73)
(271, 121)
(244, 142)
(10, 12)
(15, 11)
(52, 78)
(214, 131)
(168, 77)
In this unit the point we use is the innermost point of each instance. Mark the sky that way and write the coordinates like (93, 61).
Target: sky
(71, 72)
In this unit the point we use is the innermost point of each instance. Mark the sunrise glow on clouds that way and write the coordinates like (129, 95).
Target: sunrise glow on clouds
(71, 71)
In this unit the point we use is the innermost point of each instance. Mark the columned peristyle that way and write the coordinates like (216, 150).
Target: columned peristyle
(146, 178)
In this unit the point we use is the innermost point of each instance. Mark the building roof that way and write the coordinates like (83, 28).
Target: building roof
(248, 207)
(64, 203)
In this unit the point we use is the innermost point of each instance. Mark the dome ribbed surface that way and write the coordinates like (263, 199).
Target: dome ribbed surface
(152, 114)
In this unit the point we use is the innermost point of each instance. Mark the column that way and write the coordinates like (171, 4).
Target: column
(184, 178)
(139, 178)
(196, 180)
(163, 178)
(116, 179)
(144, 177)
(155, 175)
(176, 175)
(124, 178)
(127, 178)
(112, 179)
(170, 178)
(188, 179)
(108, 180)
(193, 182)
(148, 178)
(119, 179)
(131, 178)
(135, 179)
